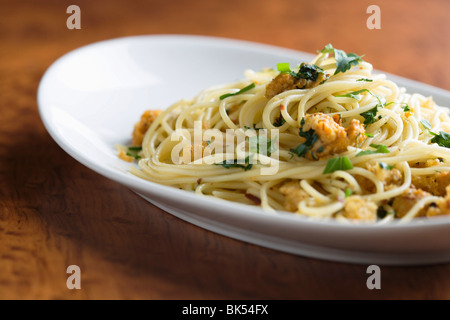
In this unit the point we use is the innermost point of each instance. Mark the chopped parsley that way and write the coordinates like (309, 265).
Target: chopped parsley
(283, 67)
(309, 71)
(311, 138)
(379, 148)
(442, 139)
(370, 115)
(327, 49)
(339, 163)
(365, 79)
(385, 166)
(355, 95)
(135, 156)
(306, 71)
(279, 121)
(344, 61)
(234, 164)
(134, 148)
(406, 108)
(348, 192)
(426, 124)
(250, 86)
(368, 135)
(381, 212)
(262, 145)
(134, 152)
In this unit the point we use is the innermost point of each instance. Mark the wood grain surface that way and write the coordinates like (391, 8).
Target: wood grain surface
(54, 212)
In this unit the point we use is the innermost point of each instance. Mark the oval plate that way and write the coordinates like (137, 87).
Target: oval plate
(90, 98)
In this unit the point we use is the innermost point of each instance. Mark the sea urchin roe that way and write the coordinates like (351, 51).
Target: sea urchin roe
(293, 194)
(442, 206)
(391, 178)
(141, 127)
(359, 208)
(308, 76)
(328, 136)
(404, 202)
(434, 184)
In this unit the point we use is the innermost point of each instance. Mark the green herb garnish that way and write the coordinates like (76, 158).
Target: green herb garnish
(385, 166)
(133, 151)
(348, 192)
(309, 72)
(381, 212)
(379, 148)
(279, 121)
(250, 86)
(306, 71)
(442, 139)
(355, 95)
(344, 61)
(311, 138)
(365, 79)
(283, 67)
(339, 163)
(134, 148)
(134, 155)
(234, 164)
(327, 49)
(426, 124)
(262, 145)
(370, 115)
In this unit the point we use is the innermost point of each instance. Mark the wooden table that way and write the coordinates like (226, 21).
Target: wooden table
(54, 212)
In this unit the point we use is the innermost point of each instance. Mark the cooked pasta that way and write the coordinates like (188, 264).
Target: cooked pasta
(327, 139)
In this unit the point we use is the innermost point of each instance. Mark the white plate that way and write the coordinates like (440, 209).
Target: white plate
(90, 98)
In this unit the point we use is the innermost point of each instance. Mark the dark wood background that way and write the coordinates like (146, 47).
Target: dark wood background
(54, 212)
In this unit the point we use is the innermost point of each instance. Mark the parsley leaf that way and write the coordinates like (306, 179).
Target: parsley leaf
(406, 108)
(381, 212)
(134, 148)
(426, 124)
(327, 49)
(279, 121)
(355, 95)
(246, 166)
(370, 115)
(365, 79)
(262, 145)
(134, 152)
(442, 139)
(134, 155)
(379, 148)
(250, 86)
(345, 61)
(309, 71)
(311, 138)
(306, 71)
(283, 67)
(385, 166)
(348, 192)
(339, 163)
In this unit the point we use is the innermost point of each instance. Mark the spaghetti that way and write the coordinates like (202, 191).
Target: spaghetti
(337, 141)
